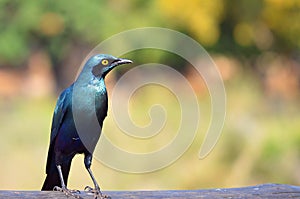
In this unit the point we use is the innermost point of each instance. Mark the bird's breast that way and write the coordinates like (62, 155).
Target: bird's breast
(92, 98)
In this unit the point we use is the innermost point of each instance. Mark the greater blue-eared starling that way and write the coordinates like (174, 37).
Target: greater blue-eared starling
(77, 122)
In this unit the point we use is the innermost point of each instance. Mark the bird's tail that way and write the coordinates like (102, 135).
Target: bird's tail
(52, 178)
(50, 182)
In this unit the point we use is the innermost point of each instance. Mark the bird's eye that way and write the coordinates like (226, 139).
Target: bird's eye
(104, 62)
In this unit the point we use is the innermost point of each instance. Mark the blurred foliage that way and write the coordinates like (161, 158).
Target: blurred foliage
(282, 18)
(54, 25)
(201, 18)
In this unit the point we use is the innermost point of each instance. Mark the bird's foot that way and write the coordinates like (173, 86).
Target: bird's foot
(68, 192)
(97, 193)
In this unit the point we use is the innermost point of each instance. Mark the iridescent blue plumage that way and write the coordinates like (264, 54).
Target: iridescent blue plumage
(78, 108)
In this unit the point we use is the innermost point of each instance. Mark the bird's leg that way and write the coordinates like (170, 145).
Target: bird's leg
(63, 187)
(96, 191)
(97, 187)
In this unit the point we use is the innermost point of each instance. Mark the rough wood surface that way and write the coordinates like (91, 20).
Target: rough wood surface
(273, 191)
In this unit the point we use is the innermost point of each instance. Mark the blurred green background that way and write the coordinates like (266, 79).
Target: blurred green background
(255, 44)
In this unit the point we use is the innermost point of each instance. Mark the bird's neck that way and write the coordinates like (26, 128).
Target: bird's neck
(98, 84)
(91, 84)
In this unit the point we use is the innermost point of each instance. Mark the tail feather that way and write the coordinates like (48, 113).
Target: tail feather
(52, 178)
(50, 182)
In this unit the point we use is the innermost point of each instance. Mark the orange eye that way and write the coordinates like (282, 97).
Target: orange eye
(104, 62)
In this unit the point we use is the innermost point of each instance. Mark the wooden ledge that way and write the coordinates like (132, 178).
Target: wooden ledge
(272, 191)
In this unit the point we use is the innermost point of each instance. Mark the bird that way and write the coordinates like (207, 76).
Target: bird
(77, 121)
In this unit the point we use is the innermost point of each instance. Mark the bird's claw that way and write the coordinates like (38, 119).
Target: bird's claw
(68, 192)
(97, 193)
(88, 189)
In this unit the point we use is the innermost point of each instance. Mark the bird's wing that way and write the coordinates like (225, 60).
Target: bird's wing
(63, 102)
(60, 110)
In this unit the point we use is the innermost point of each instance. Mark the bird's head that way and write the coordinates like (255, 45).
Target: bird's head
(101, 64)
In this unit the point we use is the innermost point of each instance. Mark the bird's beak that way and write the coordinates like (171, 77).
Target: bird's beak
(120, 61)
